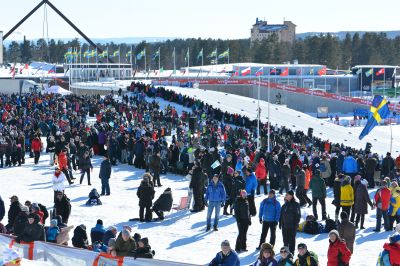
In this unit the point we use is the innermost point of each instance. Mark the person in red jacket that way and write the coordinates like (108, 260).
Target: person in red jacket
(338, 253)
(382, 202)
(261, 174)
(36, 147)
(63, 165)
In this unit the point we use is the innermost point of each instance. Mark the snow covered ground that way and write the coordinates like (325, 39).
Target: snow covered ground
(181, 236)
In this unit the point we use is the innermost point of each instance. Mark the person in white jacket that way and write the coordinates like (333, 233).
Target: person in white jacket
(58, 181)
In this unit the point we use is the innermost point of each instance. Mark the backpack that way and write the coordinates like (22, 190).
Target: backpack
(322, 167)
(330, 225)
(314, 255)
(311, 227)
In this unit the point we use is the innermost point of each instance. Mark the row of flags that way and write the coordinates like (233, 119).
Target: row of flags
(370, 71)
(71, 53)
(278, 72)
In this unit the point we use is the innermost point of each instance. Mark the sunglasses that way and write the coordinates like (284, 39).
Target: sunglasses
(283, 251)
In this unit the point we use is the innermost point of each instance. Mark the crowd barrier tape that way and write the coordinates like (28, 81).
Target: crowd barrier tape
(283, 87)
(59, 255)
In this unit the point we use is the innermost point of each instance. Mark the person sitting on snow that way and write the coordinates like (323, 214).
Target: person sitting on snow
(52, 232)
(144, 249)
(94, 198)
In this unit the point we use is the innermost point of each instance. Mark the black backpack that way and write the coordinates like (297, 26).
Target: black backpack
(311, 227)
(330, 225)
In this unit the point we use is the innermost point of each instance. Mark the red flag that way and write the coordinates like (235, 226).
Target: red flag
(322, 71)
(246, 71)
(380, 72)
(285, 72)
(259, 72)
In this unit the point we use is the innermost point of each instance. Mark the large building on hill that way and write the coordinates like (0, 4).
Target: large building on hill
(286, 32)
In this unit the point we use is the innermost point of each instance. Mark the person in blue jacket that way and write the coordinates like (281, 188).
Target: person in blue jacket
(226, 257)
(97, 232)
(251, 186)
(350, 166)
(269, 215)
(215, 199)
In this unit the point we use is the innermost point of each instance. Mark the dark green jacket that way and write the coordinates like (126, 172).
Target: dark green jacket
(318, 188)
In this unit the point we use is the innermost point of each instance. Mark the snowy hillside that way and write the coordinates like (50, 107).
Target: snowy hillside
(283, 116)
(181, 236)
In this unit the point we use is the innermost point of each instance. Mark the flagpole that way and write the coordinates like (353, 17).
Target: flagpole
(216, 59)
(258, 113)
(145, 62)
(384, 81)
(119, 62)
(372, 82)
(174, 62)
(188, 56)
(202, 62)
(159, 63)
(97, 67)
(228, 55)
(269, 120)
(131, 59)
(362, 89)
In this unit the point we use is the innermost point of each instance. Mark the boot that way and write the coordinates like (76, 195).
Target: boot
(208, 228)
(226, 210)
(215, 228)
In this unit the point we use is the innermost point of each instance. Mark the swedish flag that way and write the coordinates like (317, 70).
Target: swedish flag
(379, 110)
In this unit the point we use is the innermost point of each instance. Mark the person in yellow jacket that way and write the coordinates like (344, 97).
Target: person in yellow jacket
(394, 208)
(346, 195)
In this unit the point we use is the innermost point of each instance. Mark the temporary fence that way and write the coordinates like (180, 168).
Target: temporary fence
(59, 255)
(278, 86)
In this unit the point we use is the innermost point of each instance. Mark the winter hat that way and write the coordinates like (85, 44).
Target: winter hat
(24, 208)
(137, 237)
(111, 242)
(243, 193)
(230, 170)
(285, 248)
(144, 240)
(344, 216)
(302, 245)
(35, 206)
(126, 233)
(53, 222)
(335, 232)
(357, 178)
(267, 246)
(272, 191)
(32, 216)
(225, 243)
(10, 255)
(99, 221)
(394, 238)
(290, 192)
(364, 182)
(228, 156)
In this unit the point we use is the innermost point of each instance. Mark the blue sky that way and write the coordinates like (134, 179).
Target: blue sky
(204, 18)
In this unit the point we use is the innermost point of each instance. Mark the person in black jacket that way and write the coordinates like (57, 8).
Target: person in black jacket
(86, 167)
(2, 209)
(51, 148)
(144, 249)
(33, 231)
(21, 221)
(104, 175)
(243, 220)
(145, 194)
(62, 206)
(163, 203)
(155, 168)
(229, 184)
(80, 238)
(289, 220)
(197, 184)
(15, 209)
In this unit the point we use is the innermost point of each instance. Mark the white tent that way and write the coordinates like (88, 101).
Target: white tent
(57, 89)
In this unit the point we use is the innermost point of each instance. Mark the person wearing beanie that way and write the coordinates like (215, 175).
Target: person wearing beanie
(226, 256)
(33, 231)
(125, 245)
(346, 195)
(145, 194)
(338, 253)
(382, 202)
(355, 184)
(347, 230)
(144, 249)
(361, 203)
(104, 175)
(269, 216)
(285, 177)
(286, 258)
(163, 203)
(289, 220)
(266, 256)
(11, 257)
(261, 175)
(251, 186)
(97, 232)
(391, 251)
(337, 185)
(305, 257)
(80, 239)
(53, 231)
(318, 189)
(110, 233)
(243, 221)
(229, 184)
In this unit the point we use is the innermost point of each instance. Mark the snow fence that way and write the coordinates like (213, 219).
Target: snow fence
(68, 256)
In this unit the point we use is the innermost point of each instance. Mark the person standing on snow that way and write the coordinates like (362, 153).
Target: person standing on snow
(318, 189)
(215, 199)
(269, 216)
(362, 202)
(289, 220)
(104, 175)
(382, 202)
(243, 221)
(251, 186)
(261, 175)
